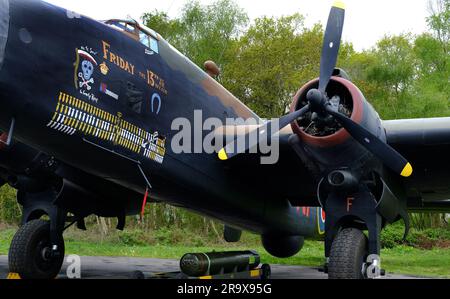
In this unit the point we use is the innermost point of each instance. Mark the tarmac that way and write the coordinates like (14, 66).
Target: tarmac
(125, 268)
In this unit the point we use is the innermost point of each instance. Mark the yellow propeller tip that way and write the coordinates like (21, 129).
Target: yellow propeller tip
(339, 4)
(223, 155)
(407, 171)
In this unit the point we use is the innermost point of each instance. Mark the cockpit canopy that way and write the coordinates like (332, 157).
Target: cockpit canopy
(136, 31)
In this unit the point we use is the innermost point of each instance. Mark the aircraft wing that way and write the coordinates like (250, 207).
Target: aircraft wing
(280, 179)
(426, 144)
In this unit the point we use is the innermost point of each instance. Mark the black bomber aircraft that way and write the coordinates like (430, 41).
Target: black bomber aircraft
(87, 107)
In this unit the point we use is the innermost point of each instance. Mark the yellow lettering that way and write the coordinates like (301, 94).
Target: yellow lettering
(112, 58)
(106, 47)
(122, 63)
(116, 59)
(151, 80)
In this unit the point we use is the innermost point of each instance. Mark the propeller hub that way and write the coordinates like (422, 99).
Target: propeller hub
(316, 100)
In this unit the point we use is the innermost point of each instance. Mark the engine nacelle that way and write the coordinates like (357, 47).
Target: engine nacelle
(325, 140)
(282, 246)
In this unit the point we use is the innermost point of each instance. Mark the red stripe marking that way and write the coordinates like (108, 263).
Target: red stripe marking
(144, 202)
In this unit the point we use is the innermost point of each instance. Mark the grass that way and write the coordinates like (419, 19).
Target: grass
(400, 259)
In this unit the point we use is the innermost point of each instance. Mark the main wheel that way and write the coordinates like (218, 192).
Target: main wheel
(266, 271)
(348, 255)
(30, 254)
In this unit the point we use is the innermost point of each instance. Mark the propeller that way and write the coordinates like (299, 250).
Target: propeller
(389, 156)
(331, 44)
(230, 150)
(319, 103)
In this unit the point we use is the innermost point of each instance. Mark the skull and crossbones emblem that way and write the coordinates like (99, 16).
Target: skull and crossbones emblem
(86, 75)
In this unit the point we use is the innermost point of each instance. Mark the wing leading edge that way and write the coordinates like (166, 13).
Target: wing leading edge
(426, 143)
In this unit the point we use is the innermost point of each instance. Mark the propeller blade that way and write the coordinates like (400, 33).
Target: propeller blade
(291, 117)
(230, 150)
(389, 156)
(331, 44)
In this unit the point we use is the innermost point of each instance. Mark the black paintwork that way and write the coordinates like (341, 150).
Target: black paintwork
(37, 71)
(39, 65)
(426, 143)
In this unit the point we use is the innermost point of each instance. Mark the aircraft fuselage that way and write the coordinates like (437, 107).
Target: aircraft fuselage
(99, 100)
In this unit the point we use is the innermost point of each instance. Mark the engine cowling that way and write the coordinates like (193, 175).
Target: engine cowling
(282, 246)
(326, 141)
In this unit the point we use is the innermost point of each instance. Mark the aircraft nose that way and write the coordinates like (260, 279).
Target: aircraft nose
(4, 28)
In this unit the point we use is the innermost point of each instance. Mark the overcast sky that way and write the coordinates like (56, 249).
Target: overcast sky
(366, 20)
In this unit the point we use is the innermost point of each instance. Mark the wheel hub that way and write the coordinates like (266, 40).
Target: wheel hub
(46, 254)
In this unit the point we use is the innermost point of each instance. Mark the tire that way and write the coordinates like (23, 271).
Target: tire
(137, 275)
(26, 252)
(266, 271)
(348, 255)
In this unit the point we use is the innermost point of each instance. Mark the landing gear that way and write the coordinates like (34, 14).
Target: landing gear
(37, 249)
(266, 271)
(348, 255)
(32, 254)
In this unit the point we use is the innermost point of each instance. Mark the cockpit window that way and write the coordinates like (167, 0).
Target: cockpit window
(122, 26)
(129, 28)
(148, 41)
(144, 39)
(154, 45)
(145, 36)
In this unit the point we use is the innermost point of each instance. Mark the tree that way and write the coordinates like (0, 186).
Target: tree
(266, 63)
(439, 21)
(431, 85)
(430, 53)
(272, 60)
(394, 63)
(10, 210)
(159, 21)
(358, 66)
(201, 32)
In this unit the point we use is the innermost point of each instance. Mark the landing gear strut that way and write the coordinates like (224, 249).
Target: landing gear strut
(350, 254)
